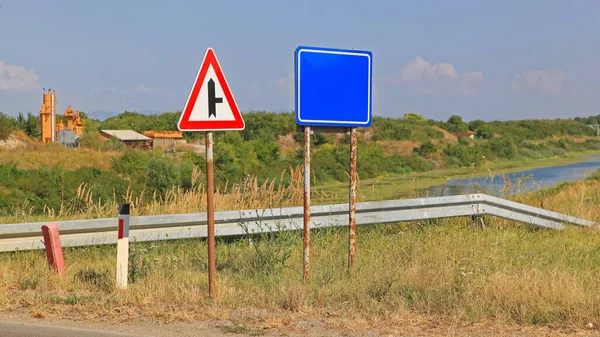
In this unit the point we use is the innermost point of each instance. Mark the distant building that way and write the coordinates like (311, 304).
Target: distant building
(128, 138)
(67, 138)
(165, 139)
(467, 134)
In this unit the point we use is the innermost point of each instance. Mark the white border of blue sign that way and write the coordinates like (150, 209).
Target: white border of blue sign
(301, 121)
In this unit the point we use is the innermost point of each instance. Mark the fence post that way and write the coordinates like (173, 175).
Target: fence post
(54, 253)
(123, 247)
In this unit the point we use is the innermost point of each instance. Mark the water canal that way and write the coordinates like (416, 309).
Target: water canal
(519, 182)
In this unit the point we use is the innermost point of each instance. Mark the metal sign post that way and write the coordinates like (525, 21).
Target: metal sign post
(210, 215)
(210, 107)
(306, 251)
(352, 199)
(333, 92)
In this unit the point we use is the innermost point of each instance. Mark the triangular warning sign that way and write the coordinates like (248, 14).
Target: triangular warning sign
(210, 105)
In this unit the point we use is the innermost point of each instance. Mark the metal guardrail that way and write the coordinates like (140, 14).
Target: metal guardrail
(27, 236)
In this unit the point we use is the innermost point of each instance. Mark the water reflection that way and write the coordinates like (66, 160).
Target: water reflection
(517, 182)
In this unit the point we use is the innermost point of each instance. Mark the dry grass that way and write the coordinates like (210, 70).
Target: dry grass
(288, 144)
(448, 137)
(34, 155)
(404, 148)
(581, 199)
(447, 269)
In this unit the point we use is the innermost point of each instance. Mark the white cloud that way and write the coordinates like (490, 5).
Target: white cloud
(419, 69)
(283, 86)
(545, 80)
(109, 90)
(143, 89)
(253, 91)
(466, 91)
(17, 78)
(425, 75)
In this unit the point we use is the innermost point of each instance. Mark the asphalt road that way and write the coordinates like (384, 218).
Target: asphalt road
(14, 329)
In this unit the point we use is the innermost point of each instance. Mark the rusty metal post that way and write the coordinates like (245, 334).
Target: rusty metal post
(306, 202)
(210, 215)
(352, 222)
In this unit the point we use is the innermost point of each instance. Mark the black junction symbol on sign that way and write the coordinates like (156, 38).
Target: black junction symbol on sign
(212, 100)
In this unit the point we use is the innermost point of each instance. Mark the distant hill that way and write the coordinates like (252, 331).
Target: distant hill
(102, 115)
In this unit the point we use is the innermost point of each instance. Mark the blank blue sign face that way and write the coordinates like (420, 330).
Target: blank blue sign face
(333, 87)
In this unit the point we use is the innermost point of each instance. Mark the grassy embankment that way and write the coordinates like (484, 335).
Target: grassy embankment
(445, 271)
(44, 156)
(35, 155)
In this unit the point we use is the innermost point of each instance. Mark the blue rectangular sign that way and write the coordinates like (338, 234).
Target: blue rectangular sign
(333, 87)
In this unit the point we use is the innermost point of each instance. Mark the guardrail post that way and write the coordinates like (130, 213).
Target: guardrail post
(123, 247)
(54, 253)
(478, 222)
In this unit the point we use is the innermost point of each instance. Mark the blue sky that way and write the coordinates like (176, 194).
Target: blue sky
(479, 59)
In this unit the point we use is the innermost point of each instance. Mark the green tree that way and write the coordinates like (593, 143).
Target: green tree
(475, 124)
(414, 117)
(21, 122)
(503, 147)
(425, 149)
(162, 175)
(266, 152)
(485, 131)
(267, 125)
(91, 135)
(32, 126)
(456, 124)
(7, 125)
(316, 139)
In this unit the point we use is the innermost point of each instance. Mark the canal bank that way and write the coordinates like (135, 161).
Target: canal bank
(505, 184)
(418, 184)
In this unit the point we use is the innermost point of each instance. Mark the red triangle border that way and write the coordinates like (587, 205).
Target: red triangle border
(185, 124)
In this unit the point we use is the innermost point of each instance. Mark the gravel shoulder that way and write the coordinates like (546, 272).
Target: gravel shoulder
(244, 323)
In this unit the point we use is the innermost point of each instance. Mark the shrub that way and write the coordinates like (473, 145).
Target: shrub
(7, 125)
(455, 124)
(132, 162)
(162, 175)
(503, 147)
(425, 149)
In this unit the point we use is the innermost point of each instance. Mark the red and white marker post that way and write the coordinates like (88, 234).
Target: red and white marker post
(123, 247)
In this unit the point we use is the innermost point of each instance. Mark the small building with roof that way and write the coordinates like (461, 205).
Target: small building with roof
(466, 134)
(165, 139)
(128, 138)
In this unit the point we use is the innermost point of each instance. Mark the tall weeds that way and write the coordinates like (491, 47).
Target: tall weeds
(444, 268)
(283, 191)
